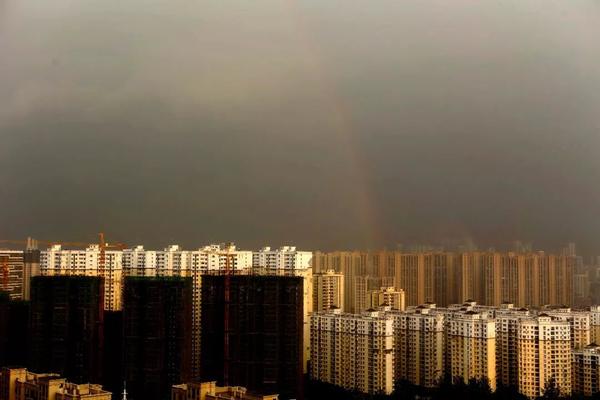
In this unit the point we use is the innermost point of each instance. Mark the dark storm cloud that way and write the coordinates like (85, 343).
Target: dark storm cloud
(330, 124)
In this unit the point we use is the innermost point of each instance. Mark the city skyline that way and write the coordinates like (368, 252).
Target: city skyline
(299, 200)
(268, 319)
(91, 239)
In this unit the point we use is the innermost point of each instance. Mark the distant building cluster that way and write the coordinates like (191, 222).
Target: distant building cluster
(21, 384)
(154, 319)
(172, 261)
(219, 322)
(527, 349)
(525, 279)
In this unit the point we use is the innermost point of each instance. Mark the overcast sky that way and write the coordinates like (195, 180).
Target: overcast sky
(330, 124)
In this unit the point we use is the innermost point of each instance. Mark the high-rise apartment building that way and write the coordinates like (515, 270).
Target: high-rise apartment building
(353, 351)
(286, 258)
(350, 264)
(217, 257)
(157, 343)
(586, 371)
(328, 290)
(11, 273)
(543, 355)
(364, 286)
(581, 288)
(471, 347)
(580, 324)
(20, 384)
(57, 261)
(594, 324)
(322, 262)
(252, 332)
(418, 346)
(304, 271)
(387, 296)
(507, 323)
(138, 261)
(66, 326)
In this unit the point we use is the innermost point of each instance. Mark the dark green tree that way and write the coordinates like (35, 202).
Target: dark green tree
(551, 390)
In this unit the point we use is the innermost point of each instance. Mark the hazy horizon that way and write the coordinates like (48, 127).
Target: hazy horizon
(326, 125)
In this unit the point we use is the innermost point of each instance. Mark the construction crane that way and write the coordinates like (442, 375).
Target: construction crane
(103, 246)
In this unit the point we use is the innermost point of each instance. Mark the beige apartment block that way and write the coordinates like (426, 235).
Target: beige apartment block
(364, 286)
(543, 353)
(328, 290)
(210, 391)
(580, 323)
(507, 324)
(58, 261)
(594, 324)
(586, 371)
(471, 347)
(353, 351)
(388, 296)
(418, 346)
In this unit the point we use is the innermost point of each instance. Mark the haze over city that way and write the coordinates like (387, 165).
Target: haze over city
(324, 124)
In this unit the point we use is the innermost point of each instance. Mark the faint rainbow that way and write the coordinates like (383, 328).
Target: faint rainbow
(344, 132)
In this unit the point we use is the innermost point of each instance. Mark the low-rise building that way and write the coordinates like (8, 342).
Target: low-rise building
(210, 391)
(20, 384)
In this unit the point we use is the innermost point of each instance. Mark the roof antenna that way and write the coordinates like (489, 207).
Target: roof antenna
(124, 394)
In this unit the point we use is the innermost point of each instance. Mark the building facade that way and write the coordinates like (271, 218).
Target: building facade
(66, 326)
(586, 371)
(157, 340)
(353, 351)
(419, 346)
(328, 290)
(253, 333)
(12, 269)
(544, 355)
(507, 348)
(286, 258)
(57, 261)
(387, 296)
(20, 384)
(471, 347)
